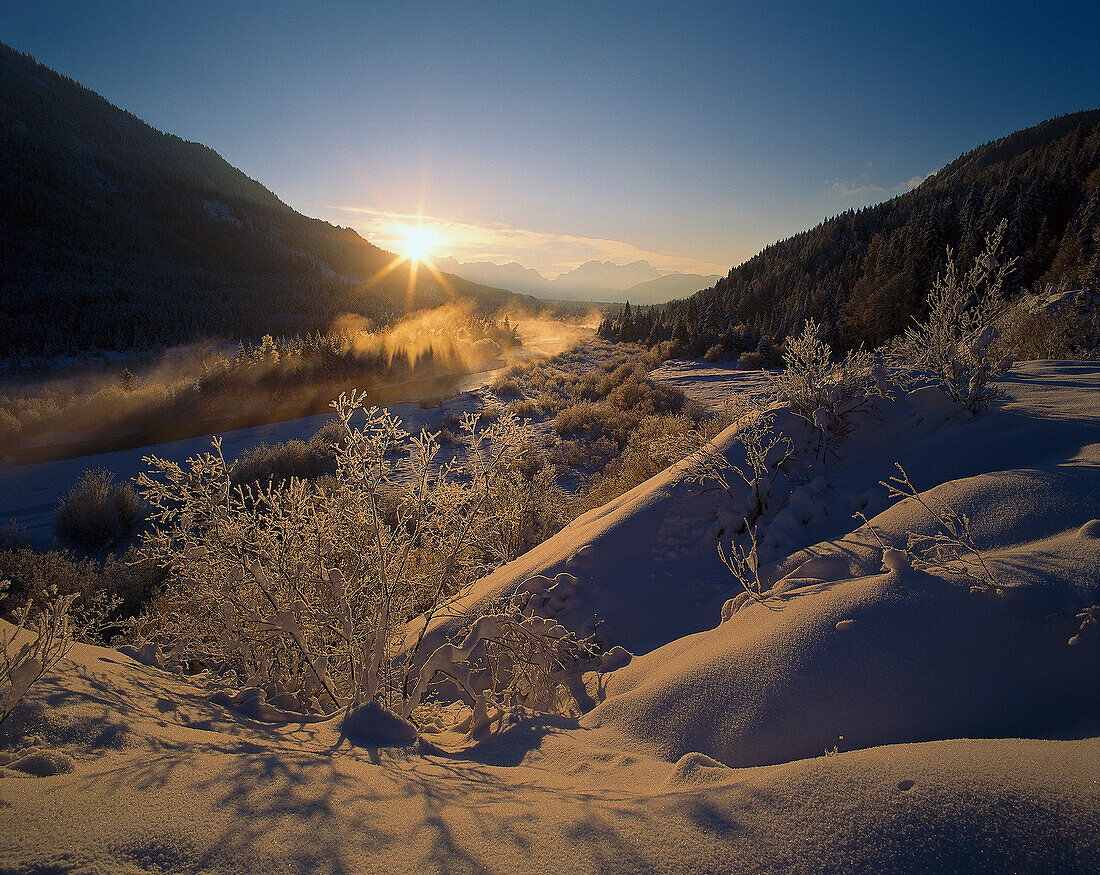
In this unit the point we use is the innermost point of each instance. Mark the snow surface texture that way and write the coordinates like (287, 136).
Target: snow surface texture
(962, 727)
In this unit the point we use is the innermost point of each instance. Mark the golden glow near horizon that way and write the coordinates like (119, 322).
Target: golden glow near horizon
(547, 252)
(417, 242)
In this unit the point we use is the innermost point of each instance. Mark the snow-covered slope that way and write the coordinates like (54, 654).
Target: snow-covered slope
(963, 726)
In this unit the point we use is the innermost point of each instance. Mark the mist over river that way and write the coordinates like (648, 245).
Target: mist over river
(30, 492)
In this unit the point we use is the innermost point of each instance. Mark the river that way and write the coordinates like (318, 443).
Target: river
(29, 493)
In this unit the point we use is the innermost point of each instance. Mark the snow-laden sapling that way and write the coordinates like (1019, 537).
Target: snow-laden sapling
(744, 565)
(766, 453)
(827, 394)
(950, 550)
(37, 641)
(956, 339)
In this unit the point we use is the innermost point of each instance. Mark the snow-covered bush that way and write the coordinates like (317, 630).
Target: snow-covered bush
(750, 361)
(825, 393)
(955, 341)
(510, 657)
(302, 590)
(1062, 323)
(35, 643)
(39, 575)
(307, 460)
(950, 550)
(99, 512)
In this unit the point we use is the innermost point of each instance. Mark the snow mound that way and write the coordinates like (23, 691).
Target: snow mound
(37, 762)
(885, 659)
(372, 725)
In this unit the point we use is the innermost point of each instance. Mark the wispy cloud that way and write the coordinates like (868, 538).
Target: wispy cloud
(863, 191)
(548, 253)
(856, 191)
(910, 183)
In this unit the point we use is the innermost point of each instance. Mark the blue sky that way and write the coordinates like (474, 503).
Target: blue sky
(689, 134)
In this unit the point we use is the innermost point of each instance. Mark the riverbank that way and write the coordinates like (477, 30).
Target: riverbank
(29, 493)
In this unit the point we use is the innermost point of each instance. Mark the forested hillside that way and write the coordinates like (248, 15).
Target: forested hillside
(114, 236)
(865, 272)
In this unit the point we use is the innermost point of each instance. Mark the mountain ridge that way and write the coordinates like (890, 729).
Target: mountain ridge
(599, 280)
(864, 273)
(118, 236)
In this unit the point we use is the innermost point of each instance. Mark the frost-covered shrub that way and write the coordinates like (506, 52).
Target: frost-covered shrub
(13, 537)
(452, 419)
(537, 510)
(35, 575)
(950, 550)
(98, 512)
(306, 460)
(750, 361)
(525, 407)
(301, 590)
(766, 455)
(512, 657)
(446, 437)
(35, 643)
(827, 394)
(646, 454)
(584, 454)
(591, 420)
(1063, 324)
(743, 562)
(507, 383)
(956, 339)
(715, 353)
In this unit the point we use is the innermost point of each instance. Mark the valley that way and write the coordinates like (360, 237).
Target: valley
(549, 439)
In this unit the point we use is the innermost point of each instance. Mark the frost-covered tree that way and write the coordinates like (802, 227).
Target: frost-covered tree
(827, 394)
(955, 340)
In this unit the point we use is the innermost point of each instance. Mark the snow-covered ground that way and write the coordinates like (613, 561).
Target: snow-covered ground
(962, 728)
(709, 384)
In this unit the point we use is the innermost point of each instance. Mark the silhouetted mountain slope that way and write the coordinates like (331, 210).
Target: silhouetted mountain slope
(669, 287)
(865, 272)
(114, 235)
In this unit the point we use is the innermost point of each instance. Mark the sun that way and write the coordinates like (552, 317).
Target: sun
(417, 242)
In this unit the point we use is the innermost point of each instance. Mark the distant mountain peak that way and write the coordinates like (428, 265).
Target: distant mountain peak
(606, 276)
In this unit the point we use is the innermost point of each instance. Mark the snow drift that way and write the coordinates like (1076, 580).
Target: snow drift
(961, 726)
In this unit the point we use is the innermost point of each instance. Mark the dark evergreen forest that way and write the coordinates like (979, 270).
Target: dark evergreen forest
(115, 236)
(864, 273)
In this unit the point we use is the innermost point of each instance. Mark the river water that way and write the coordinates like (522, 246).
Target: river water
(29, 493)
